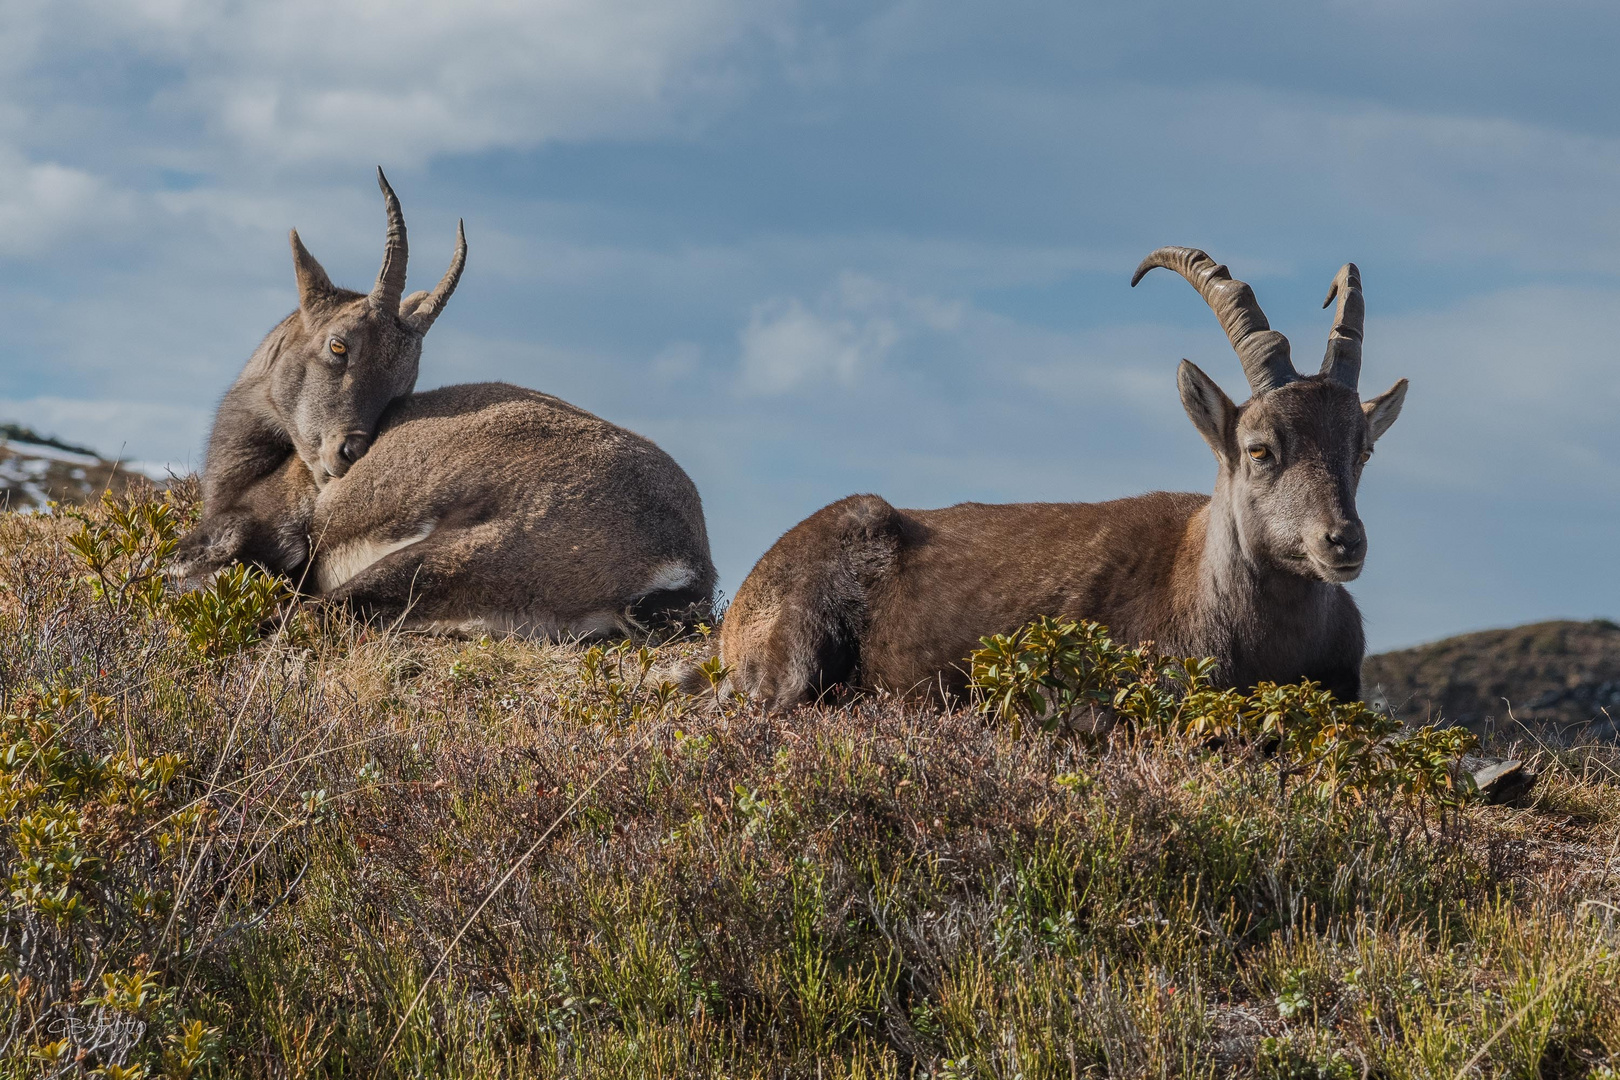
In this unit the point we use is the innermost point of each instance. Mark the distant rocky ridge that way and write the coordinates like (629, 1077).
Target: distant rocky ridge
(1562, 675)
(37, 469)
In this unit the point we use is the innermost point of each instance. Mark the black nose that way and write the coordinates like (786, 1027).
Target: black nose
(354, 448)
(1350, 538)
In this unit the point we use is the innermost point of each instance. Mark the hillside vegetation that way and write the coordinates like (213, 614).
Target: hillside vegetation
(37, 469)
(1559, 679)
(242, 837)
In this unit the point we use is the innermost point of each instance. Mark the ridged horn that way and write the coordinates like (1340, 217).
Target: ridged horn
(433, 303)
(1342, 363)
(1263, 351)
(391, 278)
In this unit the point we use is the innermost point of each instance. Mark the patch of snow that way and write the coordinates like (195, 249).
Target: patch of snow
(36, 493)
(39, 450)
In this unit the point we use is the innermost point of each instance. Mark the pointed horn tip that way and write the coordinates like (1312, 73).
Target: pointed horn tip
(382, 182)
(1170, 255)
(1348, 276)
(1155, 258)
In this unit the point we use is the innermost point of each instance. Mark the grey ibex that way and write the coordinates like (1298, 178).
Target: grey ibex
(862, 593)
(473, 507)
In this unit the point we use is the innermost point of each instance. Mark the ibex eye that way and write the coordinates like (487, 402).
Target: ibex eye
(1365, 455)
(338, 348)
(1260, 453)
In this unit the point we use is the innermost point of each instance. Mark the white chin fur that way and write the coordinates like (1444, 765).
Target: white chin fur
(1336, 575)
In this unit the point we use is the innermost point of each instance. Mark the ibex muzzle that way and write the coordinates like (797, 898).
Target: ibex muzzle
(887, 599)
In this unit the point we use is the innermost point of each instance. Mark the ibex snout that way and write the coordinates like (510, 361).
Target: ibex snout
(340, 451)
(354, 448)
(1338, 550)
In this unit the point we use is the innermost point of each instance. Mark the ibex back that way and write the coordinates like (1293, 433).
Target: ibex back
(864, 594)
(474, 507)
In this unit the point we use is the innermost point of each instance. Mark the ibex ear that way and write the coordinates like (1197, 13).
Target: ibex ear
(1382, 410)
(408, 306)
(1212, 412)
(313, 284)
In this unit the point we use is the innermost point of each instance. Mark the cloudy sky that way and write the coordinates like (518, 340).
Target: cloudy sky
(818, 248)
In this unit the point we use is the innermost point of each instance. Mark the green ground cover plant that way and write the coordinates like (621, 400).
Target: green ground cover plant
(242, 835)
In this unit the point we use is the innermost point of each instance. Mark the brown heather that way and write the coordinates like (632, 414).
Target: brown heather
(876, 888)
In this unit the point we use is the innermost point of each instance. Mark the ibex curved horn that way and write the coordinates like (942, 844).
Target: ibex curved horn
(428, 308)
(1342, 363)
(1263, 351)
(391, 278)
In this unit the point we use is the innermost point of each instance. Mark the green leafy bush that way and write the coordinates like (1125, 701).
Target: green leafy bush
(617, 687)
(1056, 673)
(228, 615)
(99, 854)
(126, 547)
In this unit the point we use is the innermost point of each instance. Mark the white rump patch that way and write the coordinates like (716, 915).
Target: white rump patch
(341, 564)
(670, 575)
(595, 624)
(542, 625)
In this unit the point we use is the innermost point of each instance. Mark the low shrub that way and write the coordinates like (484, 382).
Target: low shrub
(109, 891)
(125, 549)
(1055, 674)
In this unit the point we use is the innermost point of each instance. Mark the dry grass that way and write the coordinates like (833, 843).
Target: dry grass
(876, 889)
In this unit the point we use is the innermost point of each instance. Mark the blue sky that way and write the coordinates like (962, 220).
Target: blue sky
(822, 248)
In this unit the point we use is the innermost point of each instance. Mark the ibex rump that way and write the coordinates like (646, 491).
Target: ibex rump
(488, 507)
(862, 593)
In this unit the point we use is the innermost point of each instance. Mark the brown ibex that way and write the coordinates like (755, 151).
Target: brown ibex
(862, 593)
(474, 507)
(315, 389)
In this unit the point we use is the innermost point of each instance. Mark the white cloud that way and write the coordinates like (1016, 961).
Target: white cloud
(849, 331)
(1252, 161)
(785, 344)
(42, 203)
(859, 326)
(361, 80)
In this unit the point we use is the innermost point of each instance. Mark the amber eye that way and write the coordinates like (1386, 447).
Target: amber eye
(1260, 453)
(338, 348)
(1365, 456)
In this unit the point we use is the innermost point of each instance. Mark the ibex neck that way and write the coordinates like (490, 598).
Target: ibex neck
(248, 440)
(1244, 605)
